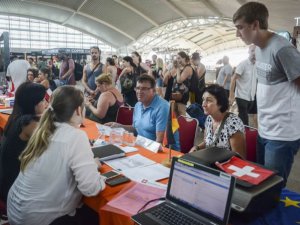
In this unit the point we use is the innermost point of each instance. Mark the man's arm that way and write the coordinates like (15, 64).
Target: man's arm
(232, 87)
(84, 81)
(160, 136)
(70, 70)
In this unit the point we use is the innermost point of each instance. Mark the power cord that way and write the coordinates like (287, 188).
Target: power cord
(147, 203)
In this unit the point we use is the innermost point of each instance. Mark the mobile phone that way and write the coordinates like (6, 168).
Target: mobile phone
(110, 174)
(117, 180)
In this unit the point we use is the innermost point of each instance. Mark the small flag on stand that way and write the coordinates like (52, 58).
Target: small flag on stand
(172, 127)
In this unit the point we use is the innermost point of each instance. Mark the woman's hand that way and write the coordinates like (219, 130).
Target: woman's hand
(112, 124)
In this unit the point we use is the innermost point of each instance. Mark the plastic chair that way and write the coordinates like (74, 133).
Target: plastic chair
(125, 115)
(187, 132)
(251, 136)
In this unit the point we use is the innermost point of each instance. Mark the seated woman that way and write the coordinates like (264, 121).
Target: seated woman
(32, 74)
(29, 105)
(44, 74)
(215, 105)
(108, 103)
(57, 166)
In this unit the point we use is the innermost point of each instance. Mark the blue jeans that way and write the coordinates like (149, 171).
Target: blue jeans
(277, 155)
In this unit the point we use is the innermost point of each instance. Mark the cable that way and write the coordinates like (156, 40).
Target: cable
(147, 203)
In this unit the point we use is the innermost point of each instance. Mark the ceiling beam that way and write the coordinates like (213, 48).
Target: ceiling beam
(212, 8)
(137, 12)
(174, 8)
(82, 14)
(73, 14)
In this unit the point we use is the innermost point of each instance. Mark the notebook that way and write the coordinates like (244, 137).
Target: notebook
(108, 152)
(196, 195)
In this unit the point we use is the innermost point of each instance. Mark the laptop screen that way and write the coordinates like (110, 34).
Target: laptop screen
(201, 189)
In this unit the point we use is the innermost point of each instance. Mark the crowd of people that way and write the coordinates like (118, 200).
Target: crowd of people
(42, 137)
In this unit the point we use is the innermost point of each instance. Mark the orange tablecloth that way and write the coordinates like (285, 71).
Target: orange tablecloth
(97, 202)
(106, 217)
(3, 118)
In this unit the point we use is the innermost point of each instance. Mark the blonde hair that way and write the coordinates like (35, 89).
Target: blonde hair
(64, 101)
(104, 77)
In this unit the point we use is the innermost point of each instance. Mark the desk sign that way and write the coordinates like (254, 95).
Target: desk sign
(146, 143)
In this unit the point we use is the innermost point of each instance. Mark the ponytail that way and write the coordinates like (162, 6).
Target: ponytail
(39, 141)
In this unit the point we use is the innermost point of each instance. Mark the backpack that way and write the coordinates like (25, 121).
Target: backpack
(78, 71)
(196, 111)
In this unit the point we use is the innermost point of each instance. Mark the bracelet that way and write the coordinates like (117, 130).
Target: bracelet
(197, 148)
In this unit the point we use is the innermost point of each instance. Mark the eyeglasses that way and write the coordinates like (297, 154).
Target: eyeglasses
(142, 88)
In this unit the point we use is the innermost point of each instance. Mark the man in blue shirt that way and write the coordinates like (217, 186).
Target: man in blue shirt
(150, 112)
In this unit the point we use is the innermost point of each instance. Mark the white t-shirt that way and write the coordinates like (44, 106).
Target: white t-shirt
(246, 83)
(53, 184)
(17, 70)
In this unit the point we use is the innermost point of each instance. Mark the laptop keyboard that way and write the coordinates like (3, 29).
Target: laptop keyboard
(171, 216)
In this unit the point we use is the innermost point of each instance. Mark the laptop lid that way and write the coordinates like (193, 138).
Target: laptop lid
(200, 189)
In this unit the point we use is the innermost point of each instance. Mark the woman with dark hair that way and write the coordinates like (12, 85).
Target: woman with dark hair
(57, 166)
(32, 74)
(141, 68)
(43, 77)
(186, 82)
(111, 69)
(29, 105)
(231, 136)
(128, 79)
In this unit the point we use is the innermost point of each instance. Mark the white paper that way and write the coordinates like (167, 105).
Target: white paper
(152, 172)
(151, 145)
(129, 162)
(128, 149)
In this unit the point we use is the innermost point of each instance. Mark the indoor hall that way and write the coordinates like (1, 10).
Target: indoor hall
(159, 27)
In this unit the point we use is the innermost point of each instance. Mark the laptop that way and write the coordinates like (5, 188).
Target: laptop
(196, 194)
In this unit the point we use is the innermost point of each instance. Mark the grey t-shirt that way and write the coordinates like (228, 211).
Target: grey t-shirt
(227, 69)
(278, 98)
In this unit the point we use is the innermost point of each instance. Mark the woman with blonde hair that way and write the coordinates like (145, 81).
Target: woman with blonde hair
(57, 166)
(108, 103)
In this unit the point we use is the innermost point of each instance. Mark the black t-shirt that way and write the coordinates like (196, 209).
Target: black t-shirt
(11, 148)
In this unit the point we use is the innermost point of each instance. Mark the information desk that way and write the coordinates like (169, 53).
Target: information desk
(286, 213)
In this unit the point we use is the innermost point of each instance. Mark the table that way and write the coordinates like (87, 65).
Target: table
(286, 213)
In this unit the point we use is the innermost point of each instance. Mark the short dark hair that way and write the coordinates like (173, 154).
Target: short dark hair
(129, 59)
(252, 11)
(220, 94)
(146, 78)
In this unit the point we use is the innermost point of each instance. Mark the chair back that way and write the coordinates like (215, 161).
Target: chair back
(251, 136)
(125, 115)
(187, 132)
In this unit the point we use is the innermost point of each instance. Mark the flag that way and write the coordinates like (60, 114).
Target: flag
(172, 127)
(245, 170)
(286, 213)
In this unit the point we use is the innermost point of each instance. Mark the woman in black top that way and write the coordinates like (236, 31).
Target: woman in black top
(29, 105)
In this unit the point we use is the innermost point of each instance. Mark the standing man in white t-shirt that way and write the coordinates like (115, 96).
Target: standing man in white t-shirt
(278, 88)
(17, 72)
(243, 86)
